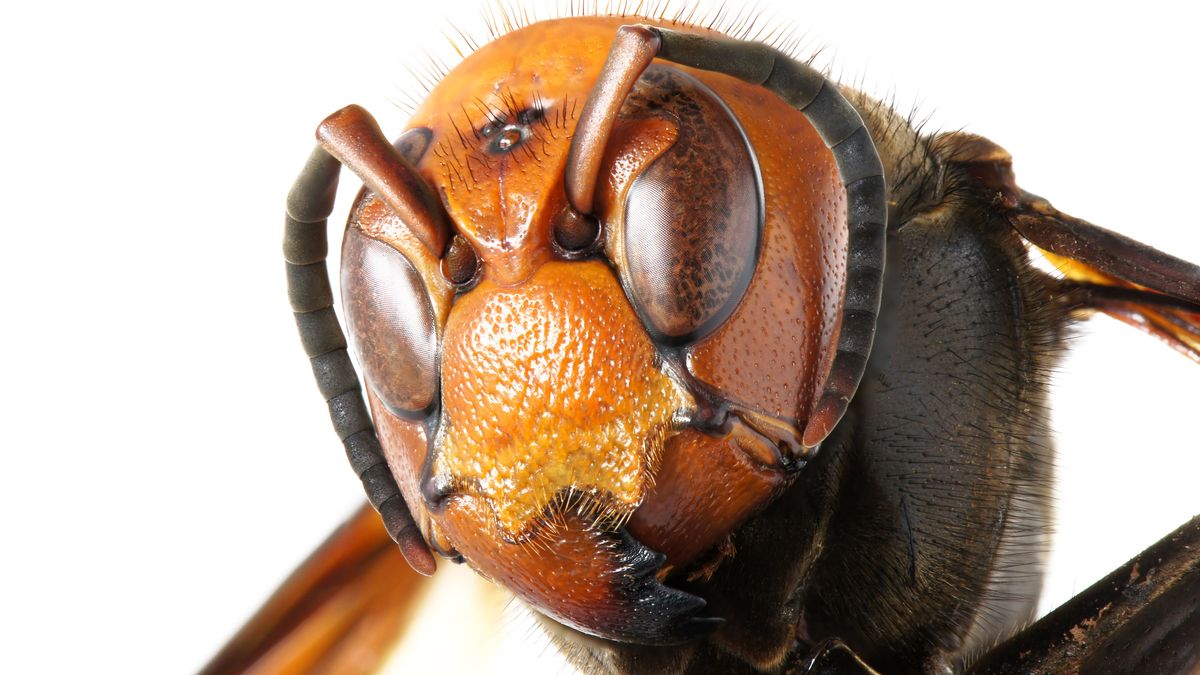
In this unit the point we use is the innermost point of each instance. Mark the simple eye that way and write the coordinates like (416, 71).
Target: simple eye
(391, 323)
(693, 218)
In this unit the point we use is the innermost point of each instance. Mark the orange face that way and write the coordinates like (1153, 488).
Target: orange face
(563, 396)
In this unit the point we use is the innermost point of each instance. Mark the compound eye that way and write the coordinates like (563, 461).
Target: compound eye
(693, 218)
(391, 323)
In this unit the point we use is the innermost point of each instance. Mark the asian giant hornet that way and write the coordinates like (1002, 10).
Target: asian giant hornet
(951, 193)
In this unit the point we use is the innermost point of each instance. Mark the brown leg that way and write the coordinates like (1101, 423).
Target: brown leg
(1142, 618)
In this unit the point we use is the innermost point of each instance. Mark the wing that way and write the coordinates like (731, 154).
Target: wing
(341, 611)
(1110, 273)
(1144, 616)
(1174, 322)
(1101, 270)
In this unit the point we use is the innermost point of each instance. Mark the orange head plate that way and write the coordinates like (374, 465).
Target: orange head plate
(581, 405)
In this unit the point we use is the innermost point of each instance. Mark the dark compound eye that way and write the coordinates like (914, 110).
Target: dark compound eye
(460, 262)
(694, 216)
(390, 319)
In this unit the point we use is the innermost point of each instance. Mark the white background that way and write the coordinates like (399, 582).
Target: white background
(166, 458)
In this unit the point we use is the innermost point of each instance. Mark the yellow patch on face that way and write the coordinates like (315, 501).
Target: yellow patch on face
(552, 387)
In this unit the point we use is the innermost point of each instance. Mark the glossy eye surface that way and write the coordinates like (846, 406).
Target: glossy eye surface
(390, 321)
(693, 217)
